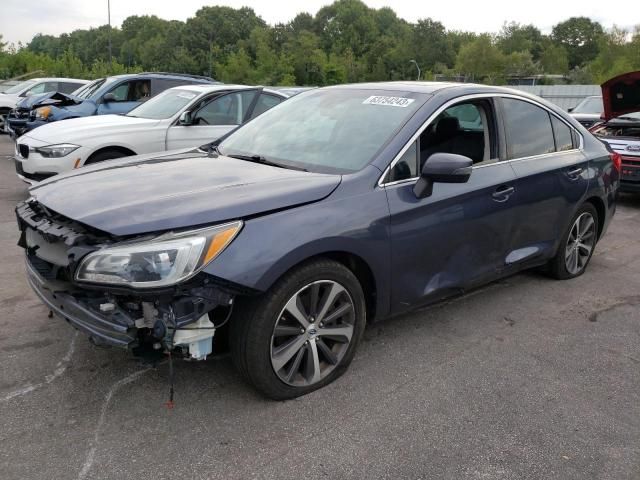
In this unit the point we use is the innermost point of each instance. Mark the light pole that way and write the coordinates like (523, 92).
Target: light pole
(417, 66)
(109, 20)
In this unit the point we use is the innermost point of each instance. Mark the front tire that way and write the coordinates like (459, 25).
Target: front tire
(303, 333)
(577, 245)
(105, 155)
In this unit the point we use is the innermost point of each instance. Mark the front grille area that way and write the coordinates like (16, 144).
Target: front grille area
(36, 177)
(53, 226)
(631, 161)
(46, 270)
(24, 150)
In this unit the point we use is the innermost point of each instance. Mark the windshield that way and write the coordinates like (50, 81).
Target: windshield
(20, 86)
(89, 89)
(165, 105)
(590, 105)
(329, 130)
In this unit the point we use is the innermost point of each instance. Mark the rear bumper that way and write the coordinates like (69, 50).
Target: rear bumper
(102, 329)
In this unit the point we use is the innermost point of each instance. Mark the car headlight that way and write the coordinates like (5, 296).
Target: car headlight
(42, 113)
(162, 261)
(57, 151)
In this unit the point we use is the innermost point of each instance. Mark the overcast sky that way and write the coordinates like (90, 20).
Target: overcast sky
(20, 20)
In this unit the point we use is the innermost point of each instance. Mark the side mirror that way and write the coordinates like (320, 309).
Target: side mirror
(570, 109)
(185, 118)
(443, 168)
(109, 97)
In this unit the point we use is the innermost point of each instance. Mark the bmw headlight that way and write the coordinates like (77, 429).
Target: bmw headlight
(162, 261)
(57, 151)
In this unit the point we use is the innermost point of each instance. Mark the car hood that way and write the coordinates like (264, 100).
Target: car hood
(621, 95)
(79, 129)
(49, 98)
(177, 190)
(8, 99)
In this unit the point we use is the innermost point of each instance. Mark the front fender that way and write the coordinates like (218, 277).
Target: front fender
(271, 245)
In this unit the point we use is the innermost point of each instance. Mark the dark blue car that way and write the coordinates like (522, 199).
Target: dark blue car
(339, 207)
(111, 95)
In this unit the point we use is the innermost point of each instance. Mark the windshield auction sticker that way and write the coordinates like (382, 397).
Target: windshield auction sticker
(389, 101)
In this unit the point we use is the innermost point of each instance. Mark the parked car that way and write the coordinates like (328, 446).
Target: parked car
(118, 94)
(341, 206)
(11, 95)
(177, 118)
(621, 126)
(588, 111)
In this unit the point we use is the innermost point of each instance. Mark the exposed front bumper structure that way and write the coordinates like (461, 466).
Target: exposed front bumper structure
(140, 320)
(116, 330)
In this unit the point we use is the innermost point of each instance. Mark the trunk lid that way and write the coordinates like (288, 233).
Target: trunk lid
(621, 95)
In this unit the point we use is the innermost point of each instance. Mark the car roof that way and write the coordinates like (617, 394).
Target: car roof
(208, 88)
(163, 75)
(57, 79)
(430, 87)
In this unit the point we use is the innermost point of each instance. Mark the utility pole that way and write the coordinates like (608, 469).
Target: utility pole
(109, 20)
(417, 66)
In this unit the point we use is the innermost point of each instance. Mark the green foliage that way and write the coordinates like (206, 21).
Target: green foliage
(521, 38)
(580, 36)
(553, 58)
(481, 60)
(346, 41)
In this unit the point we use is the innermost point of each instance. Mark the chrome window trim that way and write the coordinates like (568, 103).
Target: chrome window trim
(474, 96)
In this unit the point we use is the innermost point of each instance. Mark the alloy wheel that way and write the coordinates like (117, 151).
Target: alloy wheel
(313, 333)
(580, 243)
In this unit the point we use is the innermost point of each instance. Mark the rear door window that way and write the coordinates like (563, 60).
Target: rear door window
(229, 109)
(264, 103)
(562, 134)
(528, 129)
(42, 88)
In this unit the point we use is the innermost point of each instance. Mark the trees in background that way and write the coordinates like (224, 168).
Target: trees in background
(346, 41)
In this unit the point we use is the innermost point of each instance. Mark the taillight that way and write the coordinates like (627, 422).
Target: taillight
(616, 159)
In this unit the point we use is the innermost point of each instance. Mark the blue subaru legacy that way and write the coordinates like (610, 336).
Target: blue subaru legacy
(341, 206)
(111, 95)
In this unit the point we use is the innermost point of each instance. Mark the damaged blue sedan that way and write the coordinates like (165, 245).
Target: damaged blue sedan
(342, 206)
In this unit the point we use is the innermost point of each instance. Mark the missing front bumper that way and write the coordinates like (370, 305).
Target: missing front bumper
(104, 330)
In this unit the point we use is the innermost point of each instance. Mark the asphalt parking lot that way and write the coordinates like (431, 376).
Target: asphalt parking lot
(525, 378)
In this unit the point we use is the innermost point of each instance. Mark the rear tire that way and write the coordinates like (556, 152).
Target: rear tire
(105, 155)
(285, 355)
(577, 244)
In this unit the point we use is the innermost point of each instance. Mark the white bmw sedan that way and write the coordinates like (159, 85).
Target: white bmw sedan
(180, 117)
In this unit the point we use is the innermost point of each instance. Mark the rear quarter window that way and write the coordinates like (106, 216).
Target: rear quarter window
(562, 134)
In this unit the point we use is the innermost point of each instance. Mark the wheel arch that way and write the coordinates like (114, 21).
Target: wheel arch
(599, 205)
(355, 263)
(118, 148)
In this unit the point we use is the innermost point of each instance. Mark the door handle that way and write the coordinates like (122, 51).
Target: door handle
(502, 194)
(575, 173)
